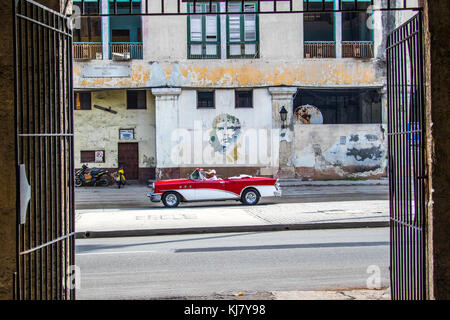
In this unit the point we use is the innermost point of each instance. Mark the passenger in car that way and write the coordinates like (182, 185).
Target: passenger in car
(211, 175)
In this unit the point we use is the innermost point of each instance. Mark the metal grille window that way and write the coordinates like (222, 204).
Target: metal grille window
(242, 31)
(203, 31)
(87, 156)
(244, 98)
(83, 101)
(205, 99)
(136, 99)
(92, 156)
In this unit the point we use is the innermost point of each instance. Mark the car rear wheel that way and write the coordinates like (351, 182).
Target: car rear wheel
(250, 197)
(171, 199)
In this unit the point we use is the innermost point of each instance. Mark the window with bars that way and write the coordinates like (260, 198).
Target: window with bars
(136, 99)
(82, 101)
(243, 98)
(203, 31)
(242, 31)
(92, 156)
(205, 99)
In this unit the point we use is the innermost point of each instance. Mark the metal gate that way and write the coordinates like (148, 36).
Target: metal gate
(44, 153)
(406, 126)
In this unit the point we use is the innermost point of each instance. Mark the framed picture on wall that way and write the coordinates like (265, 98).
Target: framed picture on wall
(126, 134)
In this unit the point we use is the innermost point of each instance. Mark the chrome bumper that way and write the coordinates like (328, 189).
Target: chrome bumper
(277, 193)
(154, 197)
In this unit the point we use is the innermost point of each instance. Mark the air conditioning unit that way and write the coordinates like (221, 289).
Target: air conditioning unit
(121, 56)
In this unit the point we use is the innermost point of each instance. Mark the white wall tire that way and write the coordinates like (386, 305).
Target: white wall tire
(250, 197)
(171, 199)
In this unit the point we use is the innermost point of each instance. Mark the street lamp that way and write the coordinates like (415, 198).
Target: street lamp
(283, 116)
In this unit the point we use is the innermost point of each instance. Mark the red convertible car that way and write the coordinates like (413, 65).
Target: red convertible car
(198, 187)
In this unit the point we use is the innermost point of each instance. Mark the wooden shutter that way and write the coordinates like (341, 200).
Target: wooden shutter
(141, 100)
(249, 23)
(234, 27)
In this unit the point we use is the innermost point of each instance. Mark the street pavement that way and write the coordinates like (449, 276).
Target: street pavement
(133, 196)
(108, 212)
(308, 264)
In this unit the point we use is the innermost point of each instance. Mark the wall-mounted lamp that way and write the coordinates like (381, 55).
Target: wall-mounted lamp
(283, 116)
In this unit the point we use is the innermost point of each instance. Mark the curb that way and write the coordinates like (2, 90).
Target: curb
(229, 229)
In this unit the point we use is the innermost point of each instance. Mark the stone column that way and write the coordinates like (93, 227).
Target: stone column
(282, 96)
(105, 30)
(338, 30)
(166, 120)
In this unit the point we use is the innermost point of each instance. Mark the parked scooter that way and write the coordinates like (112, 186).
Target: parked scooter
(91, 177)
(119, 176)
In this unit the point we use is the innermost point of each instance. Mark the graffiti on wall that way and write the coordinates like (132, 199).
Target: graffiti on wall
(225, 131)
(308, 114)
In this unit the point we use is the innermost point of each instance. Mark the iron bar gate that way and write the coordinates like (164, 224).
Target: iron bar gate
(406, 126)
(44, 153)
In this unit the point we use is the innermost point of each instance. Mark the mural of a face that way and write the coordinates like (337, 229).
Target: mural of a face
(308, 114)
(225, 131)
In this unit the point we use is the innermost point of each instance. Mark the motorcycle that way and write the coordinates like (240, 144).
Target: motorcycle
(91, 177)
(119, 176)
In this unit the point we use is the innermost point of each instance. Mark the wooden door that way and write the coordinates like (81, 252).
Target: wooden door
(129, 159)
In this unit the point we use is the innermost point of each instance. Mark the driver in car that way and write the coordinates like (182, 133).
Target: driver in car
(211, 175)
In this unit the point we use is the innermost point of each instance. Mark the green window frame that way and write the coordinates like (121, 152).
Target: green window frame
(247, 45)
(203, 37)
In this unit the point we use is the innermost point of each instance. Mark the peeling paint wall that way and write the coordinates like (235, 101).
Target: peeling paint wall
(340, 151)
(235, 73)
(99, 130)
(188, 137)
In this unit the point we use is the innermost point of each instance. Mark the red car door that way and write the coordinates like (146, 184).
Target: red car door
(212, 190)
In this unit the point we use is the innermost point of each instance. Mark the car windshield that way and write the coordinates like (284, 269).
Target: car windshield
(196, 175)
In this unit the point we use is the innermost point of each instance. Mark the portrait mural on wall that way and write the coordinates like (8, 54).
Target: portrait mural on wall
(308, 114)
(224, 133)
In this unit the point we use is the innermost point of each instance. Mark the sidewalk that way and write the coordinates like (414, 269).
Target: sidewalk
(113, 212)
(231, 217)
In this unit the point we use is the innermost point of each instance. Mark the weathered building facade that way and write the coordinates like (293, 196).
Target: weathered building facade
(163, 95)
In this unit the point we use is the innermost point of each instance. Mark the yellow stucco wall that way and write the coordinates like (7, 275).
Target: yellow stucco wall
(99, 130)
(235, 73)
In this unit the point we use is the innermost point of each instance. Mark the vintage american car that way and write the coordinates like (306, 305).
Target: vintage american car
(198, 187)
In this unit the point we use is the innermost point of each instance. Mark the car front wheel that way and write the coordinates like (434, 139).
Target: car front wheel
(250, 197)
(171, 199)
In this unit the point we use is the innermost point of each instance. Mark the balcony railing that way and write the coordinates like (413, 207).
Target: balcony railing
(125, 50)
(87, 50)
(319, 49)
(357, 49)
